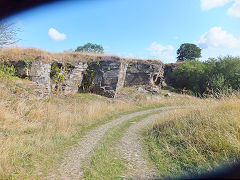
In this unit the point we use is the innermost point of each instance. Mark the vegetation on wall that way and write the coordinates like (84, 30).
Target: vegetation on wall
(215, 76)
(27, 62)
(88, 78)
(6, 70)
(58, 73)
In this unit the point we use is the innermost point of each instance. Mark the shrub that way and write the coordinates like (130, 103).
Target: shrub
(190, 75)
(6, 70)
(215, 75)
(27, 62)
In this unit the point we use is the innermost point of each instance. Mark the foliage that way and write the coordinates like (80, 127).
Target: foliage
(27, 62)
(213, 76)
(89, 47)
(7, 70)
(190, 75)
(188, 51)
(59, 72)
(54, 69)
(88, 82)
(8, 32)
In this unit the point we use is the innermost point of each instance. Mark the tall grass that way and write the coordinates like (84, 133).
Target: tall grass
(16, 54)
(198, 139)
(34, 132)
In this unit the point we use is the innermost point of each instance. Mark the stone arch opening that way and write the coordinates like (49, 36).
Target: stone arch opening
(156, 80)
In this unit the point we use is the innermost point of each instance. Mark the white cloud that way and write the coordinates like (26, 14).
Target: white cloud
(234, 10)
(161, 52)
(209, 4)
(216, 37)
(55, 35)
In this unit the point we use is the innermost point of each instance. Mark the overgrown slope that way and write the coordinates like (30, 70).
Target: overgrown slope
(198, 139)
(34, 131)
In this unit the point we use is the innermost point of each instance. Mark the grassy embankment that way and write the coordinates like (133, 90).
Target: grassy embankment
(34, 132)
(198, 139)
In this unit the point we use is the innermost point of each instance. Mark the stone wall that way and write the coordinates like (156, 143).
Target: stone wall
(106, 75)
(74, 81)
(69, 77)
(101, 77)
(22, 70)
(144, 73)
(121, 76)
(40, 73)
(169, 76)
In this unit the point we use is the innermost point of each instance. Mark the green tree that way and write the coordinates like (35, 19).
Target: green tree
(89, 47)
(188, 51)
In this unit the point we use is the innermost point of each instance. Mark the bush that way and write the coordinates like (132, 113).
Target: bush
(213, 76)
(7, 70)
(190, 75)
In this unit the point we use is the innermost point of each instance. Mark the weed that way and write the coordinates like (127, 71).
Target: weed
(27, 62)
(6, 70)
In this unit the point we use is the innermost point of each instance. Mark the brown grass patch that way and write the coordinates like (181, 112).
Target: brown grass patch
(34, 132)
(19, 54)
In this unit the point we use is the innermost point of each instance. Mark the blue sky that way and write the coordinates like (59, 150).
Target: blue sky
(134, 28)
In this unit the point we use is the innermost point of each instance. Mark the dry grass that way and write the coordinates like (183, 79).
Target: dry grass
(131, 94)
(17, 54)
(197, 139)
(30, 129)
(34, 132)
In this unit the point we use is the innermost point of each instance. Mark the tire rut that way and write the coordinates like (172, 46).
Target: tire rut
(131, 148)
(80, 154)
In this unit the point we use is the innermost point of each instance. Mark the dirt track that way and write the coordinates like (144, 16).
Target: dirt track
(131, 147)
(80, 154)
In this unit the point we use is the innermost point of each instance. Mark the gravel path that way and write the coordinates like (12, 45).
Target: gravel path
(131, 147)
(80, 154)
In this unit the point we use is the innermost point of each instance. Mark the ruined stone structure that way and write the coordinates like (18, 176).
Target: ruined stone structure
(75, 77)
(104, 76)
(168, 73)
(101, 77)
(40, 73)
(144, 73)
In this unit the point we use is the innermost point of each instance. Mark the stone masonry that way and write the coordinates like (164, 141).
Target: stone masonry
(75, 78)
(105, 76)
(144, 73)
(40, 73)
(101, 77)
